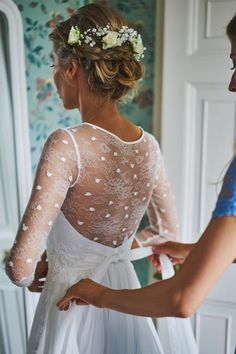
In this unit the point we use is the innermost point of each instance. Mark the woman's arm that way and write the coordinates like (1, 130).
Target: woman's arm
(178, 296)
(56, 171)
(182, 294)
(161, 210)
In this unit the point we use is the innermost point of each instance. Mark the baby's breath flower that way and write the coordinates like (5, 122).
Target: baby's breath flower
(107, 38)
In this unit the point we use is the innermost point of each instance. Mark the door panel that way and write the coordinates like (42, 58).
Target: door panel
(198, 134)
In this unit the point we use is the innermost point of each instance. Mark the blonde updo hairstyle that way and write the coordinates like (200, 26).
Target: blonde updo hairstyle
(112, 72)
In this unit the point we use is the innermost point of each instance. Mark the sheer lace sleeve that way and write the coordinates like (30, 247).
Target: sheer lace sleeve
(226, 202)
(161, 210)
(57, 171)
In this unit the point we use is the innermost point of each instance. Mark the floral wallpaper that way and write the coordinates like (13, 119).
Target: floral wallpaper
(46, 112)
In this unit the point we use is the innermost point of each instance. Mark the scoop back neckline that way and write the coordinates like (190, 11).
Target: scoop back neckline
(116, 136)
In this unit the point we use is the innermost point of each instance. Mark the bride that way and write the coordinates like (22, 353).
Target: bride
(92, 186)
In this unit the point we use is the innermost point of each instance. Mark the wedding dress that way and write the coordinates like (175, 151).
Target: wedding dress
(90, 192)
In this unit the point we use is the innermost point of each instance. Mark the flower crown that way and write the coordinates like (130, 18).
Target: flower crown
(108, 38)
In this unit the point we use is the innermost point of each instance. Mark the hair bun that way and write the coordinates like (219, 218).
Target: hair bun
(112, 72)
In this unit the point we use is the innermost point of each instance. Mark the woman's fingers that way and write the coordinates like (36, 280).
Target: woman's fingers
(64, 302)
(80, 302)
(165, 248)
(84, 292)
(36, 286)
(154, 259)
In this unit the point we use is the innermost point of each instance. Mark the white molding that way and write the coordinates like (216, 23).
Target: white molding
(193, 25)
(158, 54)
(204, 131)
(20, 117)
(214, 315)
(188, 153)
(20, 111)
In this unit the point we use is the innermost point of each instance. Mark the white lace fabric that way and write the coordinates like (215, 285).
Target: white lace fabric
(103, 185)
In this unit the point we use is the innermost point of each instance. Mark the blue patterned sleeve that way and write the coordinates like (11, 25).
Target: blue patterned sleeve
(226, 203)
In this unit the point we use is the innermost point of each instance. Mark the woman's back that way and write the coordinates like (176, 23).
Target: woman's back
(114, 183)
(102, 185)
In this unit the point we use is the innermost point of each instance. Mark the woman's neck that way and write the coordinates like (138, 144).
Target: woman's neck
(101, 112)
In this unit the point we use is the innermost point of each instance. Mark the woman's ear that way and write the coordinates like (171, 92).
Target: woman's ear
(72, 69)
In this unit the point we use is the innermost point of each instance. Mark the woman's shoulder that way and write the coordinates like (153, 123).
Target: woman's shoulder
(231, 171)
(226, 202)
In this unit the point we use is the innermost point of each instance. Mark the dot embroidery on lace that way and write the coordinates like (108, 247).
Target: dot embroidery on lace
(107, 215)
(93, 138)
(39, 207)
(126, 207)
(49, 174)
(118, 170)
(50, 222)
(114, 242)
(63, 159)
(103, 158)
(87, 194)
(132, 165)
(70, 178)
(126, 216)
(124, 229)
(65, 142)
(110, 202)
(146, 154)
(91, 209)
(162, 210)
(10, 263)
(97, 180)
(38, 188)
(115, 153)
(148, 184)
(29, 260)
(24, 227)
(96, 238)
(56, 205)
(80, 222)
(144, 198)
(136, 151)
(135, 176)
(135, 193)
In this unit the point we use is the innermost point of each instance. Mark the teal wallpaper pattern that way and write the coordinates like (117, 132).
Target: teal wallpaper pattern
(46, 112)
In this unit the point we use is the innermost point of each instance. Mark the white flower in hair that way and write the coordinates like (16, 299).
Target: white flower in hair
(111, 40)
(138, 47)
(74, 35)
(108, 39)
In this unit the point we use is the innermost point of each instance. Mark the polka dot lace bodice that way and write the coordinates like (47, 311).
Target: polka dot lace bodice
(102, 184)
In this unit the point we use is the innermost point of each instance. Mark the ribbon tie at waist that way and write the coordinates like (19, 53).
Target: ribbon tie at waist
(122, 254)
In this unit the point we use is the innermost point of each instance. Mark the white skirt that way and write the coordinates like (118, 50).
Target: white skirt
(87, 329)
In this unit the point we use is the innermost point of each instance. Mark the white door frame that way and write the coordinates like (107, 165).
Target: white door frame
(20, 119)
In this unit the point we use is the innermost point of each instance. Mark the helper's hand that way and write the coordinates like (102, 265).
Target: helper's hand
(176, 251)
(85, 292)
